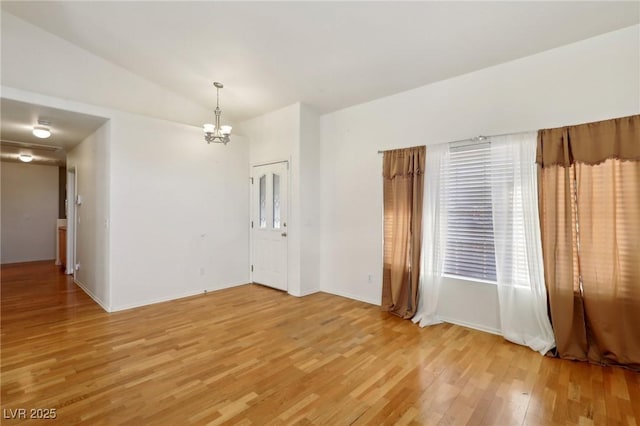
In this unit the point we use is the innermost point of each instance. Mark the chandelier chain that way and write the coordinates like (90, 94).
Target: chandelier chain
(216, 133)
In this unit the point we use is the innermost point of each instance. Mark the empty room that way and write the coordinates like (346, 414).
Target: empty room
(321, 213)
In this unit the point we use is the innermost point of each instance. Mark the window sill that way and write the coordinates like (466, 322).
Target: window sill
(469, 279)
(479, 281)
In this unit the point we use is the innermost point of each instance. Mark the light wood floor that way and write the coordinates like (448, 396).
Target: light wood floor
(252, 355)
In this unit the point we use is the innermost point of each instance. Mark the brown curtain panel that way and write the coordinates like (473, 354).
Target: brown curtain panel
(590, 220)
(403, 174)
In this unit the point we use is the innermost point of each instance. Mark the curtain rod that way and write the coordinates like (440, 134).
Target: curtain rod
(476, 139)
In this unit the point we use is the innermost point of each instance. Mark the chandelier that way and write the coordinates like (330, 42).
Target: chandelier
(215, 132)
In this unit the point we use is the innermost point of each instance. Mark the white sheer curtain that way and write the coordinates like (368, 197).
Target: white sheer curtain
(522, 294)
(433, 235)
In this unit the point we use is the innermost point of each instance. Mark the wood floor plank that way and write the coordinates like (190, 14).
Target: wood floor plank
(251, 355)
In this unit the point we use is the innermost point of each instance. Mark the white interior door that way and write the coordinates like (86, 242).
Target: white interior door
(269, 225)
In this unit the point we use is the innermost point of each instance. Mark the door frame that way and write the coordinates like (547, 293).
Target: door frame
(252, 211)
(72, 220)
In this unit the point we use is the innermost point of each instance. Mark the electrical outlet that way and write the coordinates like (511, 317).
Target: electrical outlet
(369, 278)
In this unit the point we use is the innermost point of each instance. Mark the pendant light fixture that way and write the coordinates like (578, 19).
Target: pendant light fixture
(215, 132)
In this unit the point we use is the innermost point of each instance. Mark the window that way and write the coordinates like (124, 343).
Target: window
(263, 201)
(466, 195)
(276, 201)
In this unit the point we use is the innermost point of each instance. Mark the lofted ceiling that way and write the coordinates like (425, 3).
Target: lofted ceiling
(330, 55)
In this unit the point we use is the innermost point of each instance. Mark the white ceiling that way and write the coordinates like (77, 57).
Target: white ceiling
(329, 55)
(68, 129)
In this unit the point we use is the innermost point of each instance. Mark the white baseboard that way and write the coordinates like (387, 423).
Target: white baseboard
(305, 293)
(478, 327)
(348, 295)
(91, 295)
(172, 297)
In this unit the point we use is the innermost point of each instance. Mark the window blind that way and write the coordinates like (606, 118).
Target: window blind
(470, 250)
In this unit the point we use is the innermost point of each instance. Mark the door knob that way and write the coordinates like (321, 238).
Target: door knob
(284, 234)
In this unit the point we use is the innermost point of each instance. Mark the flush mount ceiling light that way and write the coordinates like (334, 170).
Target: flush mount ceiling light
(41, 131)
(25, 158)
(215, 132)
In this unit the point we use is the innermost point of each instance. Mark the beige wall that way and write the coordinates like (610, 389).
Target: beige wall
(29, 212)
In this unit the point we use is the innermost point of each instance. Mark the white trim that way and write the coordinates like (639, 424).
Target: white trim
(175, 296)
(478, 327)
(91, 295)
(252, 212)
(349, 295)
(305, 293)
(473, 326)
(268, 163)
(72, 191)
(470, 279)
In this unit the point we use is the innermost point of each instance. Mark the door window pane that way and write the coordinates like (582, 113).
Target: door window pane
(263, 201)
(276, 201)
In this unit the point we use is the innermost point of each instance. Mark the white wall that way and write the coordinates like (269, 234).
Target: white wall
(591, 80)
(276, 137)
(179, 212)
(273, 136)
(29, 212)
(166, 189)
(176, 209)
(90, 160)
(310, 201)
(292, 133)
